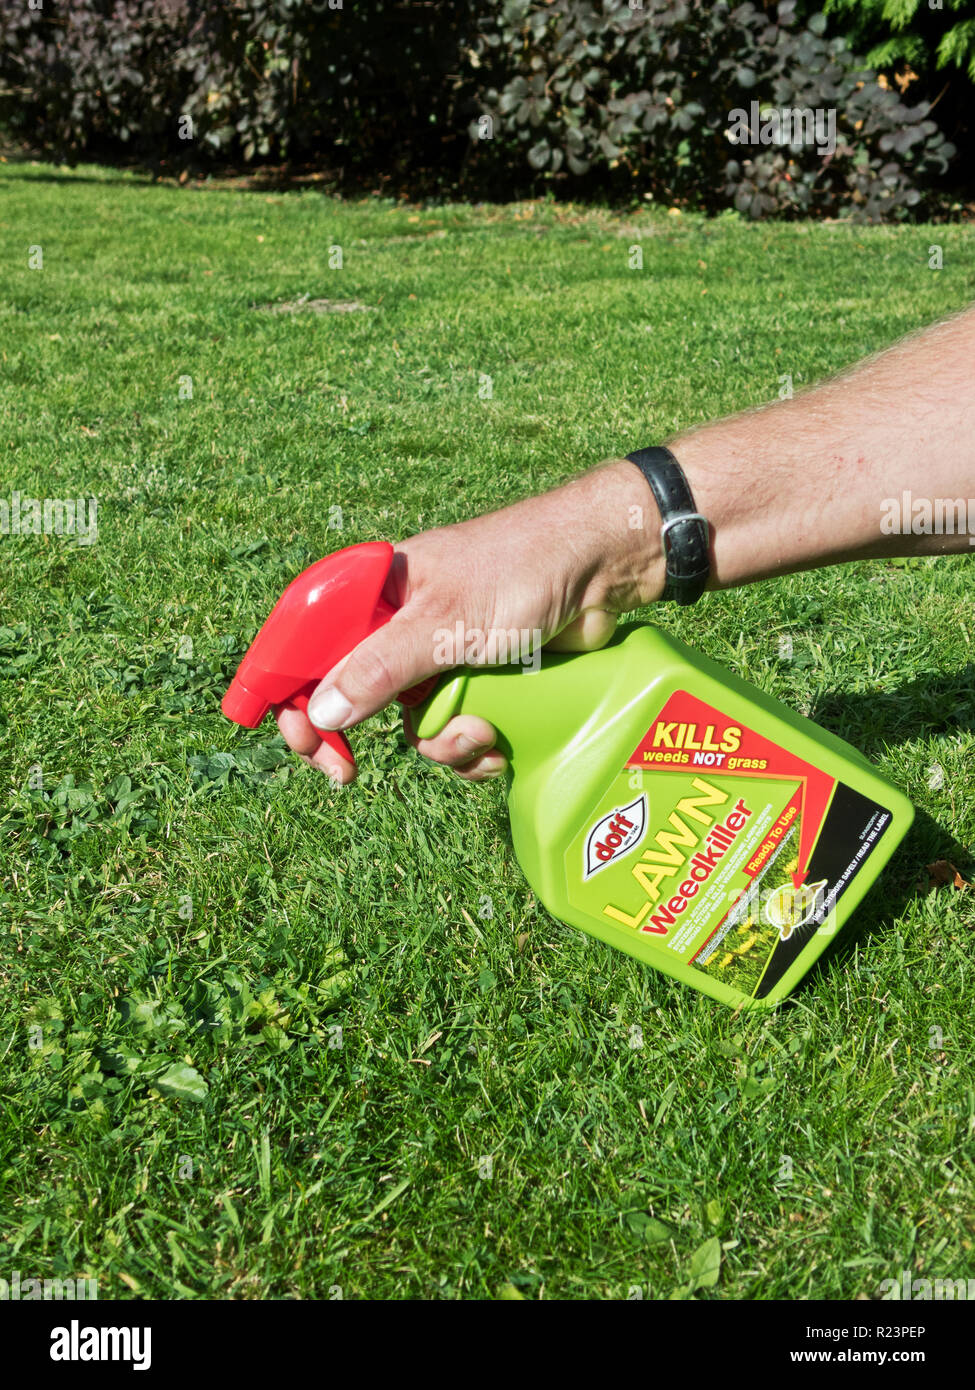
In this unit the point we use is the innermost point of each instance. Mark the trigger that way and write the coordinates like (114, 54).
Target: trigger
(338, 743)
(335, 739)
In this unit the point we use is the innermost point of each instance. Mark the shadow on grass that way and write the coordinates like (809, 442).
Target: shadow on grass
(127, 174)
(904, 880)
(940, 704)
(135, 173)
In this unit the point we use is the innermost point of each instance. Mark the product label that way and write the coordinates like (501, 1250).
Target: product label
(719, 846)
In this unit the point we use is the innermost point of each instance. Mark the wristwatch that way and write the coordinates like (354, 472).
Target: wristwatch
(684, 532)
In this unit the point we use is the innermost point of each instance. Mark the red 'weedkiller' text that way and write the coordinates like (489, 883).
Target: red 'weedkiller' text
(699, 869)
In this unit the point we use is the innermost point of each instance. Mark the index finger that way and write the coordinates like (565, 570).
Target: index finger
(304, 739)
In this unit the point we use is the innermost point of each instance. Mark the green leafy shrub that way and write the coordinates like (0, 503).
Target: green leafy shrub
(891, 32)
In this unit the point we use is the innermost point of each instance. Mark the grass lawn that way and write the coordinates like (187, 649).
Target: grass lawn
(263, 1038)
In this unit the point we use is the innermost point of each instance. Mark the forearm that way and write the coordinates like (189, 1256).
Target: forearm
(804, 483)
(794, 485)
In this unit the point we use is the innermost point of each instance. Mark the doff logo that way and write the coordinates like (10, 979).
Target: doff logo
(615, 835)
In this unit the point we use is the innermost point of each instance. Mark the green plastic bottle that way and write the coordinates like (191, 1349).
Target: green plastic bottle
(674, 811)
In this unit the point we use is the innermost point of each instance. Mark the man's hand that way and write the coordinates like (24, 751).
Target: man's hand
(561, 565)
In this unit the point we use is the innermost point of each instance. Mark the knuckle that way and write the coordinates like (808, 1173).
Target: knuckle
(435, 752)
(371, 675)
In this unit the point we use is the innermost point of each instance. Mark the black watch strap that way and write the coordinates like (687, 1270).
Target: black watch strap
(684, 531)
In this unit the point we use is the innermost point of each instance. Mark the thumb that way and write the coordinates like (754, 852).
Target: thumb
(390, 660)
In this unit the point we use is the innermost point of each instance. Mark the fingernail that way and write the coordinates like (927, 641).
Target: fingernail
(466, 744)
(329, 709)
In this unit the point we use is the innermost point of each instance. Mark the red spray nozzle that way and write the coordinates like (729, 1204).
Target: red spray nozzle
(329, 609)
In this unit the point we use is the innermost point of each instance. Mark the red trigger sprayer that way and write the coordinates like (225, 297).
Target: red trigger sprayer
(330, 608)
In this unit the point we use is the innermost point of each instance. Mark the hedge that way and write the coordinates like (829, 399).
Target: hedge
(616, 98)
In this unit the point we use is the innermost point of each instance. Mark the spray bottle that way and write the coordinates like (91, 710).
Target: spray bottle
(656, 801)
